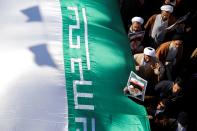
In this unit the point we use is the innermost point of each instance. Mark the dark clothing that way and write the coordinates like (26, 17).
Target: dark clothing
(164, 89)
(190, 77)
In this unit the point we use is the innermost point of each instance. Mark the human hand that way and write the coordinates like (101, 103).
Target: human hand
(137, 68)
(150, 117)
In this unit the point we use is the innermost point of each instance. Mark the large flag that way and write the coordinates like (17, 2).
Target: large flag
(64, 65)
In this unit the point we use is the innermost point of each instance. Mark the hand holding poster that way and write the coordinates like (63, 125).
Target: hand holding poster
(136, 87)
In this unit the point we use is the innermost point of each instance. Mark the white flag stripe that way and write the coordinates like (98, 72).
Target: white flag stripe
(33, 93)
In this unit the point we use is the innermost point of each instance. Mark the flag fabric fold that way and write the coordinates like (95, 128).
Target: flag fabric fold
(64, 65)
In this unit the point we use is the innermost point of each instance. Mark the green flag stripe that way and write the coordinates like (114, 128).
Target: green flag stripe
(97, 67)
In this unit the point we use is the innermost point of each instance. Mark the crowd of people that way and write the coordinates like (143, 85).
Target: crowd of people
(162, 40)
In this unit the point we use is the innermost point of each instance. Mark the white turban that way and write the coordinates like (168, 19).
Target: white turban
(137, 19)
(149, 51)
(168, 8)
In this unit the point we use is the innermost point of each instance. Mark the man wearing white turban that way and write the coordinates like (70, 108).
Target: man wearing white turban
(148, 66)
(157, 24)
(136, 35)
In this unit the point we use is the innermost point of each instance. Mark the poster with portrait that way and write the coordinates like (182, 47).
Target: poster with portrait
(136, 87)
